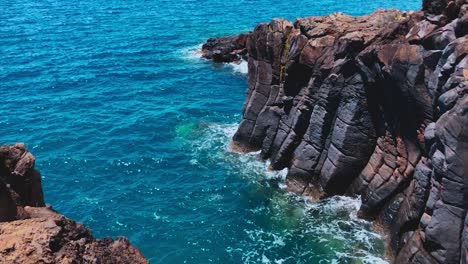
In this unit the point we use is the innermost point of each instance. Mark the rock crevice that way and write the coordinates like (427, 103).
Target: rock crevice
(376, 106)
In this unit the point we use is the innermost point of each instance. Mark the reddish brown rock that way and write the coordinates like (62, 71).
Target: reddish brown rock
(225, 49)
(32, 233)
(373, 106)
(48, 237)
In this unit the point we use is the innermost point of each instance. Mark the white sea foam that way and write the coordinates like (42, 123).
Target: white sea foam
(335, 203)
(215, 143)
(192, 53)
(331, 224)
(278, 240)
(215, 197)
(369, 259)
(265, 260)
(242, 67)
(346, 229)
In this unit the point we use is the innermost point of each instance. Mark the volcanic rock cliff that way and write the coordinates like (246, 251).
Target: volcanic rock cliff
(30, 232)
(375, 106)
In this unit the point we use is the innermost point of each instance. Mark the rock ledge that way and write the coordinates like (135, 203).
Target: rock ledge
(30, 232)
(376, 106)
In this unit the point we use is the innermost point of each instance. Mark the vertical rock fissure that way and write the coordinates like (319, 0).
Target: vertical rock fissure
(372, 106)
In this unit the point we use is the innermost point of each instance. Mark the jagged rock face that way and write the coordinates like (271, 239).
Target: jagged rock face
(33, 233)
(20, 183)
(338, 100)
(48, 237)
(225, 49)
(373, 106)
(442, 228)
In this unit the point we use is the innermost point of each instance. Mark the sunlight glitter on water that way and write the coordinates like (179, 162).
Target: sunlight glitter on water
(130, 129)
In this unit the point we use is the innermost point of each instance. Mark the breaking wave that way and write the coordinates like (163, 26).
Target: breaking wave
(293, 229)
(194, 53)
(241, 67)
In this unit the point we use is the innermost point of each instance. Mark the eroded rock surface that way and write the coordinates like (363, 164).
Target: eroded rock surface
(33, 233)
(225, 49)
(373, 106)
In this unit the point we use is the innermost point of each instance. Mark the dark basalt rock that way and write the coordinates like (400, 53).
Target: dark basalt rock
(375, 106)
(30, 232)
(225, 49)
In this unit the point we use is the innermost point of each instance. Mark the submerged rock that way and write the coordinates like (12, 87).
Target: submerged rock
(30, 232)
(375, 106)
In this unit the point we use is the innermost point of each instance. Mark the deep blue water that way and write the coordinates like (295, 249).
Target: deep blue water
(130, 130)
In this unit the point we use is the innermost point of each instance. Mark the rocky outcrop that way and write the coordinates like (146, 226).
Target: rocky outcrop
(225, 49)
(30, 232)
(373, 106)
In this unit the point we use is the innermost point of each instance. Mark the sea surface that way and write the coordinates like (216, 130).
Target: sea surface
(131, 128)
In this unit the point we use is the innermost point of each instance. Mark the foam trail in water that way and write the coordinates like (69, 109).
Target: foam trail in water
(213, 142)
(192, 53)
(346, 228)
(331, 224)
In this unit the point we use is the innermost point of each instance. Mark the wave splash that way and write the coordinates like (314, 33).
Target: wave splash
(194, 53)
(295, 228)
(241, 68)
(211, 143)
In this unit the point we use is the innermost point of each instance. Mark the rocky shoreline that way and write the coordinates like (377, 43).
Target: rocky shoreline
(376, 106)
(31, 232)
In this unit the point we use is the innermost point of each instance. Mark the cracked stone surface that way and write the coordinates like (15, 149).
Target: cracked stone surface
(31, 232)
(376, 106)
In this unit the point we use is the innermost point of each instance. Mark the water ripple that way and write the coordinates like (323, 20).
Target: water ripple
(130, 129)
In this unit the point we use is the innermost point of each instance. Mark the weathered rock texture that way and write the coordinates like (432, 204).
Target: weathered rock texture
(375, 106)
(225, 49)
(33, 233)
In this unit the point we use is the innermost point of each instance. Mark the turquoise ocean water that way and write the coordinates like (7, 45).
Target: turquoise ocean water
(130, 129)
